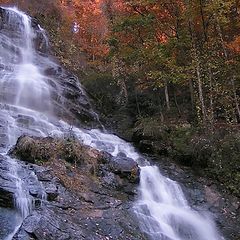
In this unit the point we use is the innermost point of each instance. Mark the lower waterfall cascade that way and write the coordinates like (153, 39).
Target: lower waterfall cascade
(27, 107)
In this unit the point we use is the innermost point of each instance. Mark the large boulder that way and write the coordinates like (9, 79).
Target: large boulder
(125, 167)
(39, 150)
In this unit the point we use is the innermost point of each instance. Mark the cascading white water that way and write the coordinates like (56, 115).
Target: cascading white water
(22, 87)
(162, 209)
(165, 213)
(25, 29)
(30, 88)
(22, 199)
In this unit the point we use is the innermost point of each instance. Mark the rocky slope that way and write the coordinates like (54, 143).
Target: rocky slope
(89, 194)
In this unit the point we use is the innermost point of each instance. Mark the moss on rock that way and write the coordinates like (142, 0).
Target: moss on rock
(39, 150)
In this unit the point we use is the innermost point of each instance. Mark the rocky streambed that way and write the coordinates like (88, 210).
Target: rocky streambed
(88, 194)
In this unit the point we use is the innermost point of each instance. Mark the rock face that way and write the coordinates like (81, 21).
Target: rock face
(7, 186)
(126, 168)
(69, 98)
(89, 194)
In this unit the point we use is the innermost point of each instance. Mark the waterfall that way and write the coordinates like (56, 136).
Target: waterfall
(27, 97)
(23, 88)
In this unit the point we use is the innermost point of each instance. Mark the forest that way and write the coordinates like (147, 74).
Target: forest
(183, 55)
(164, 74)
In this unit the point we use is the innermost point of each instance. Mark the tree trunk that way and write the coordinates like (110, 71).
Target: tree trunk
(176, 103)
(125, 91)
(119, 74)
(211, 97)
(137, 104)
(200, 91)
(203, 20)
(167, 95)
(192, 93)
(198, 72)
(160, 109)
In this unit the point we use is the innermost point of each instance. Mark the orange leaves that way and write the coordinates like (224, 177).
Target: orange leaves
(93, 29)
(235, 45)
(96, 17)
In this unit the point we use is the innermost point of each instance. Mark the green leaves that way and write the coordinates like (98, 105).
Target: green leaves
(135, 21)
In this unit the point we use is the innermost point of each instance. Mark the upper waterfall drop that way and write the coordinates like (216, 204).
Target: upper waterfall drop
(23, 75)
(24, 21)
(31, 78)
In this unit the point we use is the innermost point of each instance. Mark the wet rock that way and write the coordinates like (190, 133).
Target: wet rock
(212, 197)
(126, 168)
(6, 197)
(9, 219)
(76, 222)
(3, 18)
(3, 141)
(44, 175)
(4, 137)
(51, 191)
(51, 71)
(74, 103)
(7, 185)
(48, 226)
